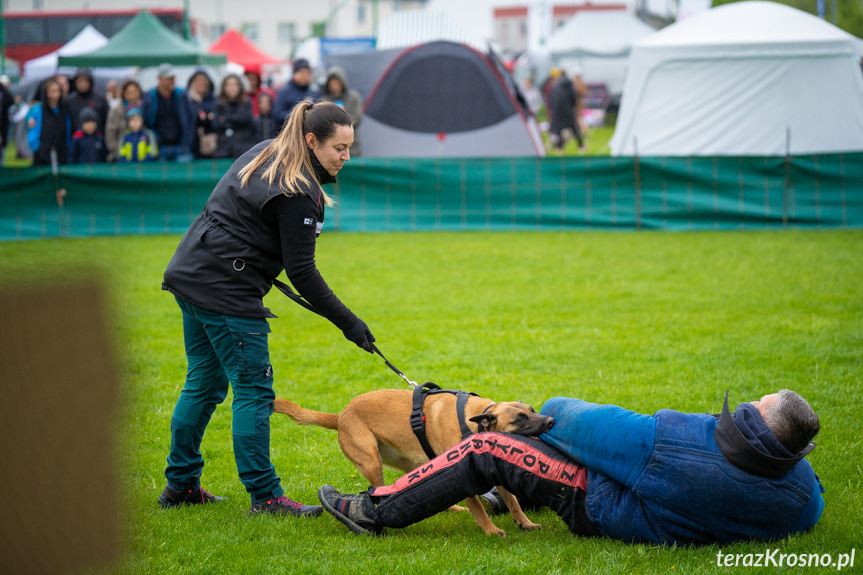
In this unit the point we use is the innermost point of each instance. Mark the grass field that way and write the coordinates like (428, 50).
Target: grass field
(643, 320)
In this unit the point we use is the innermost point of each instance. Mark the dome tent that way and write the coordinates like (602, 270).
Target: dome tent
(745, 79)
(444, 99)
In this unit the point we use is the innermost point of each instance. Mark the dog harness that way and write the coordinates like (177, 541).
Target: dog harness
(418, 418)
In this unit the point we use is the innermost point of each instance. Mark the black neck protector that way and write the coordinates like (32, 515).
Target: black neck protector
(743, 455)
(323, 175)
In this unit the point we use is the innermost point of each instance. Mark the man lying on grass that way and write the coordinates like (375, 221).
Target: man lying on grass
(665, 478)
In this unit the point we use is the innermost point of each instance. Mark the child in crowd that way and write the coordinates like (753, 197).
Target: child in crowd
(88, 143)
(139, 143)
(266, 126)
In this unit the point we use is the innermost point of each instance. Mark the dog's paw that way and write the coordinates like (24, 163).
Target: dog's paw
(530, 526)
(457, 508)
(496, 531)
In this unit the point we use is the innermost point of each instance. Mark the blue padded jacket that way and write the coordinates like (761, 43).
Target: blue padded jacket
(662, 479)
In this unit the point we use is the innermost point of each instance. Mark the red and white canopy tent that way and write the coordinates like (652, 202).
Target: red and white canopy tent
(241, 51)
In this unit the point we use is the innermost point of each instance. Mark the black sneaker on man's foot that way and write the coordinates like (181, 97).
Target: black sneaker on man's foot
(283, 506)
(493, 502)
(171, 497)
(349, 509)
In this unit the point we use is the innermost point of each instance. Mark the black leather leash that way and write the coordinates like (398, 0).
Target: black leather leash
(297, 298)
(418, 419)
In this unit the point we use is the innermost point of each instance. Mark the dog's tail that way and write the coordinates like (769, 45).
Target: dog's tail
(305, 416)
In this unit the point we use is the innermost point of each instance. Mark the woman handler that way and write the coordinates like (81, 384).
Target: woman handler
(264, 214)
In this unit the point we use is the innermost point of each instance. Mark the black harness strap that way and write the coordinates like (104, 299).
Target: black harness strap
(418, 419)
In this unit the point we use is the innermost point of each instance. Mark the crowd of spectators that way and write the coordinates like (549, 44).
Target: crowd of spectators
(72, 123)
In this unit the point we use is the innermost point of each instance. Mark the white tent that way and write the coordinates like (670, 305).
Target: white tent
(413, 27)
(85, 41)
(750, 79)
(598, 42)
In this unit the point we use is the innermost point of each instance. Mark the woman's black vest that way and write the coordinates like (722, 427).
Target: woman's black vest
(227, 261)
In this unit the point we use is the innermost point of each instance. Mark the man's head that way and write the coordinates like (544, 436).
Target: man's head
(790, 417)
(165, 75)
(112, 88)
(302, 72)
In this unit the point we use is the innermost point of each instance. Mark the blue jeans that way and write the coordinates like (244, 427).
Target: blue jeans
(223, 350)
(174, 154)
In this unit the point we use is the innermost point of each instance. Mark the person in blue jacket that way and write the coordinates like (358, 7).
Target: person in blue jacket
(49, 125)
(139, 144)
(168, 114)
(298, 89)
(667, 478)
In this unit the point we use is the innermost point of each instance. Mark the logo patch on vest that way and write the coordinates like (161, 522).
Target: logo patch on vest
(308, 221)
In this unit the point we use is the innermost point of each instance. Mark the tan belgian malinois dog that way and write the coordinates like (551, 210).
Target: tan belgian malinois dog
(374, 429)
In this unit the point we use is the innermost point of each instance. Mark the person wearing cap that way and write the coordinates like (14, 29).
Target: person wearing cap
(296, 90)
(139, 144)
(88, 143)
(670, 478)
(84, 96)
(167, 114)
(263, 216)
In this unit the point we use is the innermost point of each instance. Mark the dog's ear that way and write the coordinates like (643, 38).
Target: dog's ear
(485, 421)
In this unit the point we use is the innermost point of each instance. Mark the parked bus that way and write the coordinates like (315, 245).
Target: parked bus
(33, 34)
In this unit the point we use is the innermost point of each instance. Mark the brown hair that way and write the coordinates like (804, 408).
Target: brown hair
(241, 97)
(131, 82)
(43, 92)
(288, 154)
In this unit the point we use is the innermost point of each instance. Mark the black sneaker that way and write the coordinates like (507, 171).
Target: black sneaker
(171, 497)
(283, 506)
(349, 509)
(493, 502)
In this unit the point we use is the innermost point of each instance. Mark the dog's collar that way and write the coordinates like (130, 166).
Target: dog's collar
(489, 406)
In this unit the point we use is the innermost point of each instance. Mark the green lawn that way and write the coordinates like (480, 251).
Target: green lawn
(643, 320)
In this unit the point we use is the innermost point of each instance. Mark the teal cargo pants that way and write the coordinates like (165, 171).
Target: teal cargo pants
(221, 350)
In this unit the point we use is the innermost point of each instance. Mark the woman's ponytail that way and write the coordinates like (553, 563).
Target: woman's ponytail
(289, 153)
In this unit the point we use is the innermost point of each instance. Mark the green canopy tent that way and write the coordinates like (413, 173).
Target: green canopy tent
(143, 42)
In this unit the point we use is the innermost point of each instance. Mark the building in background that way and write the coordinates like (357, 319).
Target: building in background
(277, 27)
(512, 23)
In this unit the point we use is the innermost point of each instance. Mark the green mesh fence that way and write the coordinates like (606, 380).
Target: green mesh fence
(463, 194)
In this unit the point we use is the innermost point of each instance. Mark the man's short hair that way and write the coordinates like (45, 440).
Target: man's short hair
(792, 420)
